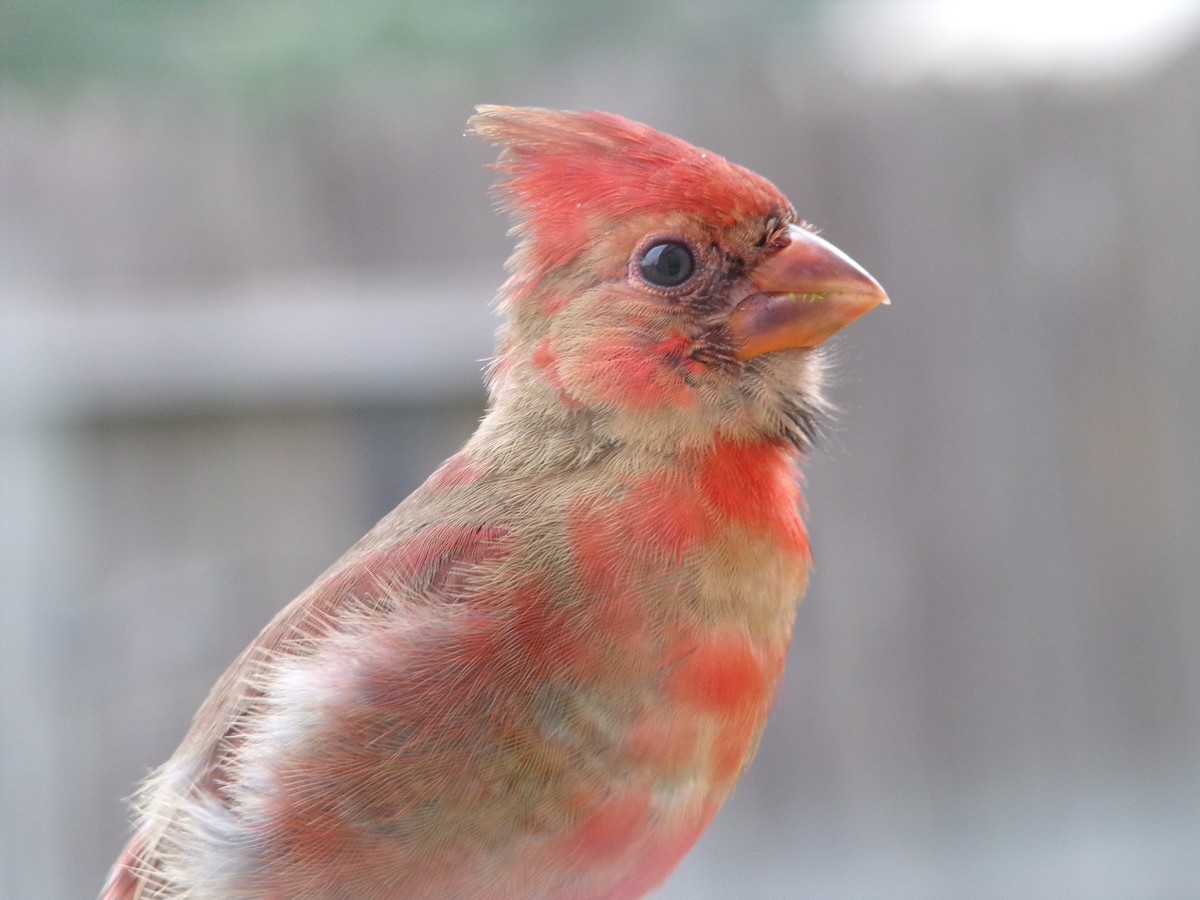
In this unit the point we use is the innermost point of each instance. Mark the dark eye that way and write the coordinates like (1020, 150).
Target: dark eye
(668, 264)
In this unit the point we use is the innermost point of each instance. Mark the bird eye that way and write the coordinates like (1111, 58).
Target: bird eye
(668, 264)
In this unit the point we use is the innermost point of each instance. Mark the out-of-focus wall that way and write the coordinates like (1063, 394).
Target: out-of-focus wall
(228, 343)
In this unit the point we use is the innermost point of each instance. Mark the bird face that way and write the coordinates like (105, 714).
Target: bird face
(664, 291)
(713, 327)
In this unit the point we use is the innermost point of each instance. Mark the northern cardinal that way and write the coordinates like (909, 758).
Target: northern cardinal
(542, 673)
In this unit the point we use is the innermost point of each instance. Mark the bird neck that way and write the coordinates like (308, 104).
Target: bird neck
(542, 441)
(530, 429)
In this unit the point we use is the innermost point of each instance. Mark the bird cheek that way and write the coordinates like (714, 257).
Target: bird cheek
(620, 371)
(552, 302)
(545, 359)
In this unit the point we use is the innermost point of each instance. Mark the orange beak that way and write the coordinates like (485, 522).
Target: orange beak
(804, 293)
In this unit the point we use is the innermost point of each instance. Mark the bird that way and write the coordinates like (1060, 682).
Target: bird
(542, 674)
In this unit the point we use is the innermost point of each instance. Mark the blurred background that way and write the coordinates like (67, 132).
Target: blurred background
(246, 256)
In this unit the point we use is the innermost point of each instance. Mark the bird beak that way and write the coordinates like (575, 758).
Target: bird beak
(803, 293)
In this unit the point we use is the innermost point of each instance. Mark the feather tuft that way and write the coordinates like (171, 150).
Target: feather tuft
(568, 177)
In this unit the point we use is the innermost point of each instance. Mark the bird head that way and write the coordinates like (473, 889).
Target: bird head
(657, 291)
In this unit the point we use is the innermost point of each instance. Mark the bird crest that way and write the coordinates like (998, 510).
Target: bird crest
(569, 176)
